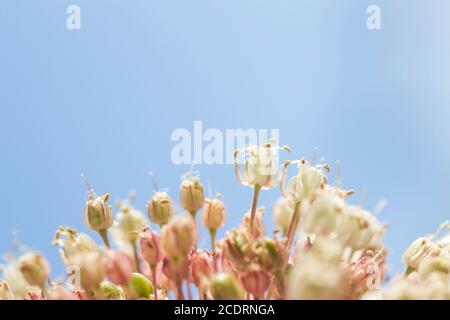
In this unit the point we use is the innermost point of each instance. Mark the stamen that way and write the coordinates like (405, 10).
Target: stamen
(155, 185)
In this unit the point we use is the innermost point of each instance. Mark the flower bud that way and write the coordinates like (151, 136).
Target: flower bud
(91, 272)
(179, 236)
(434, 264)
(97, 214)
(141, 286)
(111, 291)
(258, 223)
(224, 286)
(150, 247)
(34, 268)
(256, 282)
(5, 291)
(191, 194)
(282, 213)
(417, 251)
(322, 215)
(201, 266)
(214, 214)
(130, 223)
(118, 267)
(160, 208)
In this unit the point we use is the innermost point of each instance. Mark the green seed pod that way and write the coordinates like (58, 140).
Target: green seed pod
(141, 285)
(111, 291)
(224, 286)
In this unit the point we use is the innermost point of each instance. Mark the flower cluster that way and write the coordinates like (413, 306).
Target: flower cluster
(322, 246)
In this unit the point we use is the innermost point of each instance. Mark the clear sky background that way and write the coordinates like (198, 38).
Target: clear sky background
(105, 99)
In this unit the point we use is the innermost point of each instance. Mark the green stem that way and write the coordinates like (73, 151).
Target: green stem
(256, 191)
(104, 235)
(212, 233)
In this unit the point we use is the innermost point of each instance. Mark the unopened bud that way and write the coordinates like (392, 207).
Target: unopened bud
(130, 222)
(214, 214)
(224, 286)
(160, 208)
(91, 272)
(34, 268)
(97, 214)
(282, 213)
(417, 251)
(118, 267)
(192, 194)
(179, 236)
(150, 247)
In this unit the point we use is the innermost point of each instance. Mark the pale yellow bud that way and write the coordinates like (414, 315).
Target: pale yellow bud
(178, 236)
(214, 214)
(192, 195)
(97, 215)
(34, 268)
(160, 208)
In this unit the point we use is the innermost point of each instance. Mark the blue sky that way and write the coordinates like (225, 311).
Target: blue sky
(105, 99)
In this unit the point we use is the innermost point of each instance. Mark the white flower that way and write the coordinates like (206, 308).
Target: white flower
(260, 165)
(283, 211)
(308, 180)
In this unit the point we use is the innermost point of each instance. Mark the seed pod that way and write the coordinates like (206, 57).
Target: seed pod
(111, 291)
(34, 268)
(179, 236)
(192, 194)
(224, 286)
(150, 247)
(214, 214)
(118, 267)
(160, 208)
(141, 286)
